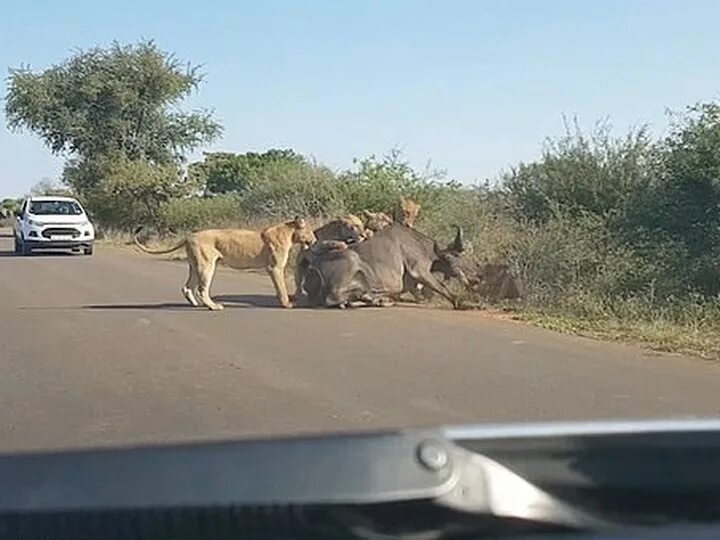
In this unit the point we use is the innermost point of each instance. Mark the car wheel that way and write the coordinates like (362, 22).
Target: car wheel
(88, 250)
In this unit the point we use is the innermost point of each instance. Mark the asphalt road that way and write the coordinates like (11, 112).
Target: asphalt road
(103, 350)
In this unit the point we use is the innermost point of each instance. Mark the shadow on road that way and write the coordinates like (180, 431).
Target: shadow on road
(166, 306)
(230, 301)
(248, 300)
(236, 301)
(35, 254)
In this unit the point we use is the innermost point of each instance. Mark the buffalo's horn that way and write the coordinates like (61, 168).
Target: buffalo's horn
(459, 244)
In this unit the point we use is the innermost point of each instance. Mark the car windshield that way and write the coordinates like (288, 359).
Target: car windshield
(241, 219)
(55, 208)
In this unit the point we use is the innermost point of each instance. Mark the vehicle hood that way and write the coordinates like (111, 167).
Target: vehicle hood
(59, 219)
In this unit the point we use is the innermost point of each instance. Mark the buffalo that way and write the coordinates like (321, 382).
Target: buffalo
(394, 260)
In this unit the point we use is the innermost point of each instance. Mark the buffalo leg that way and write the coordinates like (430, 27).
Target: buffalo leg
(300, 268)
(431, 282)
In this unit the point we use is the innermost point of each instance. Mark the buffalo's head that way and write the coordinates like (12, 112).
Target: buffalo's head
(449, 260)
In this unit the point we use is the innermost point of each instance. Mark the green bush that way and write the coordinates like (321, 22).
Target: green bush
(377, 185)
(288, 190)
(194, 213)
(121, 193)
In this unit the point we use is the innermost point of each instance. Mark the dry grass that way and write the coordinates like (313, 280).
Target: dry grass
(659, 335)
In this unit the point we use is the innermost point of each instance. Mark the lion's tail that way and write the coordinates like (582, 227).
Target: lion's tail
(160, 251)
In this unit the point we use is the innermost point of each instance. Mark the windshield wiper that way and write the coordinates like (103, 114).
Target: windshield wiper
(498, 480)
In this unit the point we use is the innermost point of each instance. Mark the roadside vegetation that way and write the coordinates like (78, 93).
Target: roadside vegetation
(612, 235)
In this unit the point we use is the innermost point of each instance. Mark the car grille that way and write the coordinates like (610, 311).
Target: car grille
(60, 231)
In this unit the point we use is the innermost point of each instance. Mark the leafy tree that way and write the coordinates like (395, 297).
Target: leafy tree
(116, 101)
(9, 207)
(580, 173)
(132, 192)
(378, 183)
(226, 172)
(685, 205)
(115, 112)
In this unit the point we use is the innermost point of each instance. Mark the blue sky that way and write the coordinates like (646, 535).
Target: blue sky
(472, 86)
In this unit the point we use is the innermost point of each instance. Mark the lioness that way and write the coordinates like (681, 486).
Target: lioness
(409, 211)
(496, 281)
(347, 229)
(376, 221)
(239, 248)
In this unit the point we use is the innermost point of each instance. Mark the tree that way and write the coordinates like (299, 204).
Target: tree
(686, 203)
(114, 112)
(120, 100)
(579, 173)
(9, 207)
(378, 183)
(226, 172)
(132, 192)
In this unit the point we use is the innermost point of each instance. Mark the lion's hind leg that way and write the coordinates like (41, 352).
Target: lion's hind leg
(206, 272)
(191, 285)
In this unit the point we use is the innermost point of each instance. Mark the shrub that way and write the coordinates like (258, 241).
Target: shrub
(286, 190)
(195, 213)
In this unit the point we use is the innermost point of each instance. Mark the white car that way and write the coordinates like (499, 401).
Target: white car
(53, 223)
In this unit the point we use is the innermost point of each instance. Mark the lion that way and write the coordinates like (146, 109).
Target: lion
(239, 248)
(376, 221)
(496, 281)
(409, 211)
(348, 229)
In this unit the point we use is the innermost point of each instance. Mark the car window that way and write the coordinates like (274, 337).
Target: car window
(55, 208)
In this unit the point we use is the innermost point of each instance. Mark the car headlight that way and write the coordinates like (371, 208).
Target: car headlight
(33, 223)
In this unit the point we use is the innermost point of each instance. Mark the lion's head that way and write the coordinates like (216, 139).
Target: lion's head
(409, 211)
(302, 234)
(352, 228)
(376, 221)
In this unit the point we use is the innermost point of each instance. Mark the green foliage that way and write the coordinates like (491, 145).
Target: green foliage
(225, 172)
(686, 201)
(116, 101)
(273, 184)
(288, 189)
(378, 183)
(10, 204)
(577, 174)
(9, 207)
(131, 193)
(115, 111)
(194, 213)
